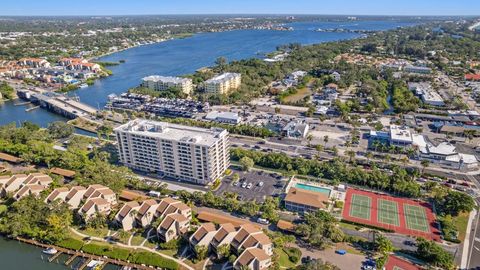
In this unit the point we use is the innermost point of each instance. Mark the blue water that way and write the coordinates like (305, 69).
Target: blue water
(183, 56)
(313, 188)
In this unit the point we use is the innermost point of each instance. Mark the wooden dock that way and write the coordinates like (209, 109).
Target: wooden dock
(32, 108)
(88, 257)
(56, 255)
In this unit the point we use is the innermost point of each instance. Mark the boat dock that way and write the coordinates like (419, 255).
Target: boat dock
(87, 257)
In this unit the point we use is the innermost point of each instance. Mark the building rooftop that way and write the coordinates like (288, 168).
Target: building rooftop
(168, 131)
(225, 115)
(400, 134)
(306, 197)
(166, 79)
(223, 78)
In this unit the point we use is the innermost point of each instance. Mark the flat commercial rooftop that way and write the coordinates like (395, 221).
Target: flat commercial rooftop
(173, 132)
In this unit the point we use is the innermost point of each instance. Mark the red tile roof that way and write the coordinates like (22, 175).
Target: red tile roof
(472, 77)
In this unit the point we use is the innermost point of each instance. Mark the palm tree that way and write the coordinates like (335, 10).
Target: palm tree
(425, 164)
(325, 140)
(309, 139)
(350, 154)
(369, 156)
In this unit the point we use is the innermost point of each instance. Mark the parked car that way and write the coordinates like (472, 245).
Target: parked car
(260, 184)
(341, 251)
(263, 221)
(249, 186)
(244, 184)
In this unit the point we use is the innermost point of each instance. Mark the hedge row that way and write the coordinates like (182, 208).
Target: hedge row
(70, 243)
(111, 252)
(153, 260)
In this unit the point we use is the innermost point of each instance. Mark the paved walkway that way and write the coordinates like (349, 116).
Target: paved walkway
(135, 247)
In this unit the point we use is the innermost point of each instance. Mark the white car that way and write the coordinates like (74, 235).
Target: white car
(244, 185)
(260, 184)
(249, 186)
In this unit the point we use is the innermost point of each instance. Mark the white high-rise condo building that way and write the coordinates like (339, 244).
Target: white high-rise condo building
(161, 83)
(224, 83)
(185, 153)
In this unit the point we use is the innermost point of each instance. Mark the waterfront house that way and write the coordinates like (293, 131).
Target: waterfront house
(224, 236)
(172, 226)
(126, 216)
(16, 182)
(93, 207)
(254, 259)
(57, 194)
(75, 196)
(203, 236)
(99, 191)
(146, 213)
(28, 190)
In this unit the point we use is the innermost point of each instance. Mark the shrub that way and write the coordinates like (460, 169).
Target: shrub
(111, 252)
(70, 243)
(338, 204)
(153, 260)
(294, 254)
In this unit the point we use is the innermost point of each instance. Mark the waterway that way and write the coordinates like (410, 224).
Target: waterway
(19, 256)
(183, 56)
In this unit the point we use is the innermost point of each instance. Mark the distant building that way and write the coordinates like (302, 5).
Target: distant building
(161, 83)
(224, 117)
(303, 201)
(472, 77)
(427, 94)
(224, 83)
(295, 129)
(417, 69)
(185, 153)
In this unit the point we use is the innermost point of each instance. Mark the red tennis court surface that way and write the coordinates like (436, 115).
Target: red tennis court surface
(395, 263)
(400, 215)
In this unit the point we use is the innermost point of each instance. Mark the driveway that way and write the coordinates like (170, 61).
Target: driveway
(348, 261)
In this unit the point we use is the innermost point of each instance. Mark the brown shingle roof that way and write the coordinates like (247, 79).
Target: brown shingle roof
(306, 197)
(62, 172)
(285, 225)
(203, 230)
(208, 216)
(10, 158)
(250, 254)
(224, 230)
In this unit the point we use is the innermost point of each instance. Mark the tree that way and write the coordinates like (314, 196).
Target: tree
(350, 154)
(317, 264)
(236, 177)
(60, 130)
(223, 251)
(434, 254)
(6, 91)
(383, 245)
(201, 252)
(425, 164)
(453, 203)
(221, 62)
(246, 163)
(309, 139)
(325, 140)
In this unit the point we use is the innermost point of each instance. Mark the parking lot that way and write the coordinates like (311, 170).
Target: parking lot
(249, 186)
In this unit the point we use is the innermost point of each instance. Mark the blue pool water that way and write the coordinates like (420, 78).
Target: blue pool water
(313, 188)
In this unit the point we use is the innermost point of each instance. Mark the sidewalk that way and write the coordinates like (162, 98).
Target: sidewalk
(134, 247)
(466, 242)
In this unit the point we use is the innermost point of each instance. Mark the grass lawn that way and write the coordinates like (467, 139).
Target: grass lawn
(137, 240)
(461, 222)
(196, 266)
(283, 260)
(169, 252)
(101, 233)
(349, 226)
(152, 243)
(301, 93)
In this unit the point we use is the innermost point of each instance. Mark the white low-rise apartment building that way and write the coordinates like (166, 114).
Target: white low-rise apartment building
(161, 83)
(184, 153)
(223, 83)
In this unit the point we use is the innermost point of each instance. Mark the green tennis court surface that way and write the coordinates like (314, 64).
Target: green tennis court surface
(416, 218)
(388, 212)
(361, 206)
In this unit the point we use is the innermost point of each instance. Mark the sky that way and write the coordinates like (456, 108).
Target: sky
(323, 7)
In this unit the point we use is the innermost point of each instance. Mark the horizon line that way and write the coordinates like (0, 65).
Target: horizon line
(241, 14)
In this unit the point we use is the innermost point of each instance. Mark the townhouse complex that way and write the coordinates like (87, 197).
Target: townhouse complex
(91, 201)
(223, 83)
(184, 153)
(253, 248)
(22, 185)
(175, 217)
(161, 83)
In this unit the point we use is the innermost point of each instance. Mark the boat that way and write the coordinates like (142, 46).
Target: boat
(83, 85)
(94, 264)
(50, 251)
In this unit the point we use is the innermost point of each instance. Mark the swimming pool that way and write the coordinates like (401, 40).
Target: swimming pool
(314, 188)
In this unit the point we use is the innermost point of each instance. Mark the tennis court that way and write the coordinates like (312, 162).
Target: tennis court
(361, 206)
(400, 215)
(388, 212)
(416, 217)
